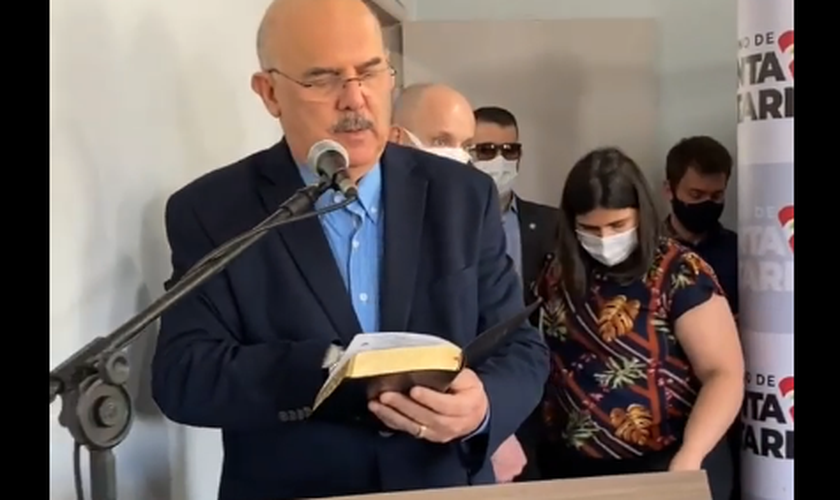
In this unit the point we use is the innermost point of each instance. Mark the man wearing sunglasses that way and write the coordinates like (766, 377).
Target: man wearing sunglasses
(530, 230)
(434, 118)
(530, 227)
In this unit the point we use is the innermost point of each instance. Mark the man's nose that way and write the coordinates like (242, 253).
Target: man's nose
(352, 96)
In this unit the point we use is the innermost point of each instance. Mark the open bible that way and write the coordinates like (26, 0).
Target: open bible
(398, 361)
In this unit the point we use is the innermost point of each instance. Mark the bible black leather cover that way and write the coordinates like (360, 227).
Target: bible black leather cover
(350, 399)
(491, 340)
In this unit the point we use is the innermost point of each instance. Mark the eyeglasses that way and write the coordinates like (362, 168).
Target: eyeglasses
(328, 86)
(487, 151)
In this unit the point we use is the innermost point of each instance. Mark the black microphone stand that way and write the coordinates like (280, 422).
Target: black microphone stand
(96, 407)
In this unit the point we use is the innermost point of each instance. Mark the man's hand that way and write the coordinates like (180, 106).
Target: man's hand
(432, 415)
(508, 461)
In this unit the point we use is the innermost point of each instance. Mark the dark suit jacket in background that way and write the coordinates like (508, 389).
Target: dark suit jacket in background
(244, 353)
(538, 230)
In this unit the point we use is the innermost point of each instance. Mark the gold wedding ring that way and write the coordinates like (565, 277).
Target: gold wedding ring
(420, 431)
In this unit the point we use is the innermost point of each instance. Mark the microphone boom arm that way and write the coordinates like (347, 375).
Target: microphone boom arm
(96, 406)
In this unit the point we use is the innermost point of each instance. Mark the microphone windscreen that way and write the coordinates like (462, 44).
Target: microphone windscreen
(323, 147)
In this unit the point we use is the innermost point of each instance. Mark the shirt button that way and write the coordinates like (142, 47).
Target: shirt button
(355, 243)
(373, 210)
(363, 297)
(338, 198)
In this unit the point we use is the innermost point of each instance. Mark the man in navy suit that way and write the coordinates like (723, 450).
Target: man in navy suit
(421, 250)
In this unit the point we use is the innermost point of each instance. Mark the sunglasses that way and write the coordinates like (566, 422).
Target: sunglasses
(486, 151)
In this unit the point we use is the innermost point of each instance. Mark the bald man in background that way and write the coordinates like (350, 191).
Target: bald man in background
(434, 118)
(439, 120)
(421, 249)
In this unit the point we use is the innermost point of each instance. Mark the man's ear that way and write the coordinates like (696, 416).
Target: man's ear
(667, 191)
(262, 86)
(395, 135)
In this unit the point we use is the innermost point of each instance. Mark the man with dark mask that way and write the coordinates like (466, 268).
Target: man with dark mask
(697, 171)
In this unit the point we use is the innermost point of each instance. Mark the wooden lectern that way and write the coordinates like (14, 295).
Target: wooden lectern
(658, 486)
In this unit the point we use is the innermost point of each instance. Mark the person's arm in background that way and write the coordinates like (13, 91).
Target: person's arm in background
(202, 375)
(705, 329)
(513, 379)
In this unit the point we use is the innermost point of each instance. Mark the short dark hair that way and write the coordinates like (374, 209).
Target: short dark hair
(497, 115)
(702, 153)
(605, 178)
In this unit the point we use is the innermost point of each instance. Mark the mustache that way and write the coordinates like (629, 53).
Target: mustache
(352, 123)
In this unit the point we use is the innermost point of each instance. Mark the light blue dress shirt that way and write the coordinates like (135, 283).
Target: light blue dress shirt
(355, 237)
(355, 234)
(513, 235)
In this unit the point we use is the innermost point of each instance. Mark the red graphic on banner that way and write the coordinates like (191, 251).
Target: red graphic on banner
(786, 219)
(786, 390)
(786, 45)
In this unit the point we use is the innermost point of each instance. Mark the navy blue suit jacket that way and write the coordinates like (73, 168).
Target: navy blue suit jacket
(244, 352)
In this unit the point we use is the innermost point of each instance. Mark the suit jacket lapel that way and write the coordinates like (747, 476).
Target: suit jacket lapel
(529, 233)
(404, 199)
(306, 242)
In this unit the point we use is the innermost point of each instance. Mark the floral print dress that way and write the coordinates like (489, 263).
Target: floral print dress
(621, 386)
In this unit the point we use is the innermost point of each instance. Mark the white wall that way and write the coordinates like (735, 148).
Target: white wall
(145, 95)
(697, 58)
(589, 82)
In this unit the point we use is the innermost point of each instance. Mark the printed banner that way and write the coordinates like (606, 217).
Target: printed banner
(765, 233)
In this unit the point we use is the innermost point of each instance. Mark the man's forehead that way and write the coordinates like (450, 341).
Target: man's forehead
(494, 132)
(330, 44)
(339, 69)
(446, 118)
(333, 57)
(694, 179)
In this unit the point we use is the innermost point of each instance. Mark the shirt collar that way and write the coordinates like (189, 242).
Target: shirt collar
(370, 190)
(668, 230)
(513, 207)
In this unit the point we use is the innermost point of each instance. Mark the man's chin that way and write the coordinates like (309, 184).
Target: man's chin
(363, 152)
(357, 142)
(360, 164)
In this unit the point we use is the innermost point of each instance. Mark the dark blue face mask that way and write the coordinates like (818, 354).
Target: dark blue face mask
(699, 218)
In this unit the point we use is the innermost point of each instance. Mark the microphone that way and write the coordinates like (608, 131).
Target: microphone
(329, 160)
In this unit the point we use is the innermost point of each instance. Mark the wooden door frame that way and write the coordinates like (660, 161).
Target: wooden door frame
(391, 12)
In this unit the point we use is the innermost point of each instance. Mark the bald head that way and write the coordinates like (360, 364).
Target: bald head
(284, 18)
(324, 73)
(436, 114)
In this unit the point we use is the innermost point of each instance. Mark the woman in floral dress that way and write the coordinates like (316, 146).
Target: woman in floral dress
(646, 365)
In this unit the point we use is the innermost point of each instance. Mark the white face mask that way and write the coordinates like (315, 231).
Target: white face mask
(609, 250)
(502, 171)
(458, 154)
